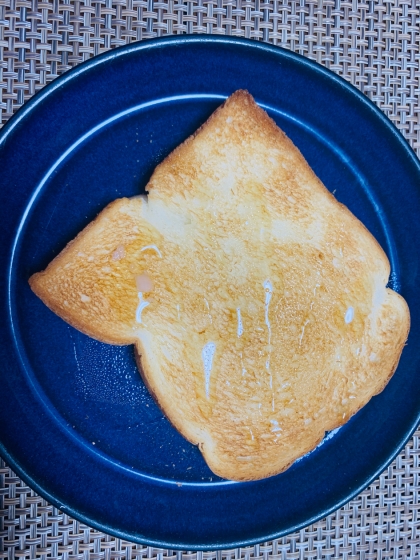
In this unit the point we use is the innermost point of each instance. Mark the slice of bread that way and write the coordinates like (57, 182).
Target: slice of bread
(256, 302)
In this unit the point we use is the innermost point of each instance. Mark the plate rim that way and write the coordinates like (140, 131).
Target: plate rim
(171, 41)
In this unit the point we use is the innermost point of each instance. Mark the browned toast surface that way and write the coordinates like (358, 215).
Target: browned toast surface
(256, 301)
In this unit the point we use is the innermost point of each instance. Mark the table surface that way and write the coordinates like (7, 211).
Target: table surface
(375, 45)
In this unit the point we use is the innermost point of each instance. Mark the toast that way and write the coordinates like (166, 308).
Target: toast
(256, 302)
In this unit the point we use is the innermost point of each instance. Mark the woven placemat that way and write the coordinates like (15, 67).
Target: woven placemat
(374, 45)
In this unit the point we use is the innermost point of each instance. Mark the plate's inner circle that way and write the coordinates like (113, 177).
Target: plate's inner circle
(94, 388)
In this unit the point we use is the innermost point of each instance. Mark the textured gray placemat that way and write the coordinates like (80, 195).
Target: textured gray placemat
(374, 45)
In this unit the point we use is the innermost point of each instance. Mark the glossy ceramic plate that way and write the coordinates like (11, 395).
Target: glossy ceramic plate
(77, 423)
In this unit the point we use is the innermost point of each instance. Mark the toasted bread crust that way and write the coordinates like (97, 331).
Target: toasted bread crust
(265, 319)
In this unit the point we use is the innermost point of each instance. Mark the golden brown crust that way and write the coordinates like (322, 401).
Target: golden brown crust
(264, 320)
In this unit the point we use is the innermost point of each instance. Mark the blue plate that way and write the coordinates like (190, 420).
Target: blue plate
(77, 423)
